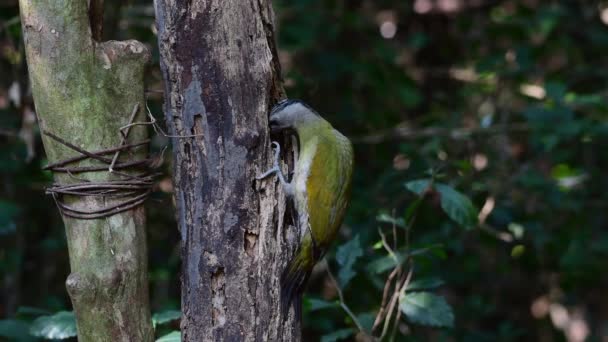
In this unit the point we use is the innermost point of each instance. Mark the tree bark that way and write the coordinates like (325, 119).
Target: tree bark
(221, 76)
(84, 92)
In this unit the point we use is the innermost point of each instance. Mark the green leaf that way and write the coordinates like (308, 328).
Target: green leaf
(457, 206)
(425, 284)
(346, 256)
(426, 308)
(418, 187)
(59, 326)
(384, 263)
(366, 320)
(314, 304)
(165, 317)
(338, 335)
(174, 336)
(15, 330)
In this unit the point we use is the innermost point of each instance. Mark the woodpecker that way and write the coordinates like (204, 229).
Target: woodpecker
(320, 189)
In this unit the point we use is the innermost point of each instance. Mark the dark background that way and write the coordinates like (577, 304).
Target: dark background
(503, 101)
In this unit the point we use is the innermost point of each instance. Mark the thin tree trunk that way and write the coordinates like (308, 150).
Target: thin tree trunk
(221, 76)
(84, 92)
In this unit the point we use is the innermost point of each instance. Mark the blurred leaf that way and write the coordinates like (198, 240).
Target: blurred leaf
(419, 187)
(166, 316)
(338, 335)
(426, 308)
(59, 326)
(346, 256)
(425, 284)
(14, 330)
(174, 336)
(457, 206)
(314, 304)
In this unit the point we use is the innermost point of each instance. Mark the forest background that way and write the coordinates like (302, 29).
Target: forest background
(480, 129)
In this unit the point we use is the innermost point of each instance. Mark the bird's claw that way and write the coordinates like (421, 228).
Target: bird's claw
(275, 166)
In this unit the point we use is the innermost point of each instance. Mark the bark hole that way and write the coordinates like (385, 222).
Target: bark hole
(250, 241)
(218, 285)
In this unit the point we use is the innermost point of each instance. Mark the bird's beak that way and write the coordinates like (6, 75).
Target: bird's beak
(274, 125)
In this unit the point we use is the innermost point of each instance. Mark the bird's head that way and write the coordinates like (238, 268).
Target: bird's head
(290, 114)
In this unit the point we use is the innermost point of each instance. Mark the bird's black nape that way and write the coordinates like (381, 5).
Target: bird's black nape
(284, 103)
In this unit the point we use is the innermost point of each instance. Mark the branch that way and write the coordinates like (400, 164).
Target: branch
(342, 302)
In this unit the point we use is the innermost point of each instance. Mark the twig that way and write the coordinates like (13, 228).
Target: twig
(342, 302)
(387, 247)
(125, 135)
(395, 298)
(382, 312)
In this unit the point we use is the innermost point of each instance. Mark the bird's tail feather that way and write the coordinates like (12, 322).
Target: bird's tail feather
(293, 281)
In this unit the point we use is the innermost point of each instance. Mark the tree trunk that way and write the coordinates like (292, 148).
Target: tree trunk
(84, 92)
(221, 76)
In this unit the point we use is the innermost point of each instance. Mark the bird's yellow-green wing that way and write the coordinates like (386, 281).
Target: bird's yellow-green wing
(328, 187)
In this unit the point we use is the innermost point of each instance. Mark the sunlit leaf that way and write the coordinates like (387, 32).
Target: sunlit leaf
(59, 326)
(174, 336)
(166, 316)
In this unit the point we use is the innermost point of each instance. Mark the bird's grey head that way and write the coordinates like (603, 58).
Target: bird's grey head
(289, 114)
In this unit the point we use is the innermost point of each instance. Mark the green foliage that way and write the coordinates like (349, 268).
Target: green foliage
(346, 256)
(59, 326)
(506, 103)
(427, 309)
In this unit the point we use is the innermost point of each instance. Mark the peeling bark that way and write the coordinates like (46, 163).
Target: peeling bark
(84, 92)
(221, 76)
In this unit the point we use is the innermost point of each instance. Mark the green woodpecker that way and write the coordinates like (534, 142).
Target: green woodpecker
(320, 188)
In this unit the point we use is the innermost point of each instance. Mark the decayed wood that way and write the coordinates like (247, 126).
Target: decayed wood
(221, 76)
(84, 92)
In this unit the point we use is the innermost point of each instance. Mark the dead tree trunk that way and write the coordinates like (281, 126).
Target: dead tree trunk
(221, 76)
(84, 92)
